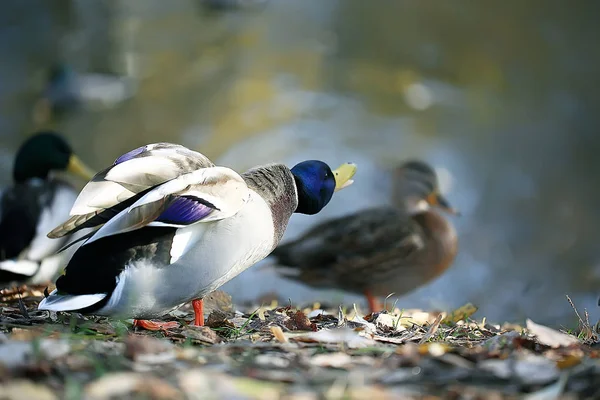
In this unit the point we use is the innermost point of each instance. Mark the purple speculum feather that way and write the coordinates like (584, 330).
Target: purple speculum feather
(184, 211)
(130, 154)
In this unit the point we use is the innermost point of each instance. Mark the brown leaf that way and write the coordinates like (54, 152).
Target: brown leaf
(201, 333)
(148, 350)
(550, 337)
(218, 300)
(26, 334)
(299, 322)
(218, 319)
(156, 389)
(461, 313)
(569, 361)
(435, 349)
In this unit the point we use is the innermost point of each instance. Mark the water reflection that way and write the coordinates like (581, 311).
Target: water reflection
(500, 96)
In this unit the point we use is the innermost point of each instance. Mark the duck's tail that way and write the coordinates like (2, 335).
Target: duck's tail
(68, 302)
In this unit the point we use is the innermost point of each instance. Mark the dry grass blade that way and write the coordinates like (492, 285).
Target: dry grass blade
(432, 329)
(23, 309)
(589, 334)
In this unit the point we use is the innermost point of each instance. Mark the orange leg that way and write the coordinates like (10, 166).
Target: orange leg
(374, 304)
(154, 326)
(198, 305)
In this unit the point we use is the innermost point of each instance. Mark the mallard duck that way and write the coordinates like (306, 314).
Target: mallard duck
(35, 203)
(382, 250)
(68, 91)
(172, 227)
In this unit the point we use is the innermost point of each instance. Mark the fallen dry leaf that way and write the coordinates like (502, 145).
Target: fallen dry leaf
(157, 389)
(380, 357)
(569, 361)
(26, 334)
(218, 319)
(200, 333)
(148, 350)
(333, 360)
(299, 322)
(461, 313)
(23, 389)
(278, 333)
(388, 323)
(122, 384)
(348, 337)
(435, 349)
(550, 337)
(417, 317)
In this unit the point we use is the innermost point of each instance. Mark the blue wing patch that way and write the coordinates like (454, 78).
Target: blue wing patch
(130, 154)
(185, 211)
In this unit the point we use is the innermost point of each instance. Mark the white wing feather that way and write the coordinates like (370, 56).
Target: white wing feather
(122, 181)
(138, 173)
(222, 187)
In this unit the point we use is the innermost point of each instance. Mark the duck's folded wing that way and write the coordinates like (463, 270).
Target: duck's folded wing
(351, 242)
(135, 172)
(204, 195)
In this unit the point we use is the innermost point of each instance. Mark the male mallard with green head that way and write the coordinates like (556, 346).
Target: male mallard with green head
(35, 203)
(382, 250)
(171, 227)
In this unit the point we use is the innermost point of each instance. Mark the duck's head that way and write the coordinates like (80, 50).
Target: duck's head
(45, 152)
(417, 188)
(59, 73)
(316, 183)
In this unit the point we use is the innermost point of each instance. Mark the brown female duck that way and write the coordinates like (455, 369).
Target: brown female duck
(382, 250)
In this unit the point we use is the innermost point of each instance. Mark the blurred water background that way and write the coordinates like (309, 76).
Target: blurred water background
(498, 96)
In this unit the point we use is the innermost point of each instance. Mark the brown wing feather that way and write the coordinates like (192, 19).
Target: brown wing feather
(71, 225)
(349, 251)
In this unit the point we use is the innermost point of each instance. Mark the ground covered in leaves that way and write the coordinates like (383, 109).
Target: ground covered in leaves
(280, 351)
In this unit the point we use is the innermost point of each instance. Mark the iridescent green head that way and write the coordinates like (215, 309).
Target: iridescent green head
(44, 152)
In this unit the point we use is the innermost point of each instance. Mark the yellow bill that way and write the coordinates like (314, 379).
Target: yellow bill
(77, 167)
(343, 175)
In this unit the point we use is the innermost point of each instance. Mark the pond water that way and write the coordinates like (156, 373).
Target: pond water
(499, 97)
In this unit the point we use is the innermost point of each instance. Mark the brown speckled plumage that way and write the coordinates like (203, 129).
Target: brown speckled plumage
(378, 251)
